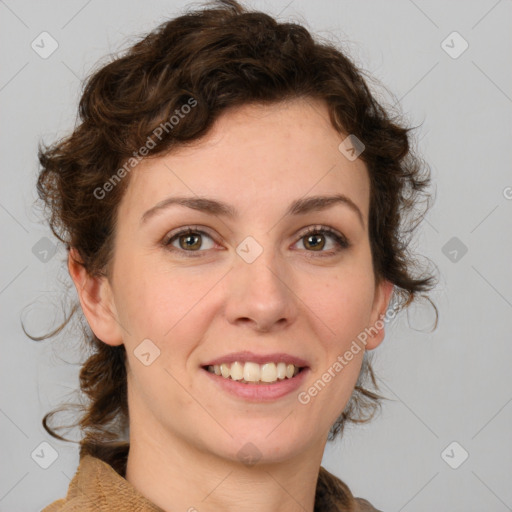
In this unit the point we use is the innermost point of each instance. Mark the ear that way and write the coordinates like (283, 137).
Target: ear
(375, 330)
(96, 299)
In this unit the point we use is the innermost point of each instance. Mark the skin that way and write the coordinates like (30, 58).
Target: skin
(185, 432)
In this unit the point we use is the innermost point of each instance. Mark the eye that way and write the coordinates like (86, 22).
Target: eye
(313, 239)
(189, 240)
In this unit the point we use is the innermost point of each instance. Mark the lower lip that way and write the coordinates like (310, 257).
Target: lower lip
(259, 392)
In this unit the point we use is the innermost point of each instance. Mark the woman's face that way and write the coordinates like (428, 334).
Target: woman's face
(251, 281)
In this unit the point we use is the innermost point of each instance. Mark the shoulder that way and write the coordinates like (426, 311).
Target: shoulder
(82, 490)
(365, 506)
(84, 494)
(332, 494)
(97, 486)
(72, 505)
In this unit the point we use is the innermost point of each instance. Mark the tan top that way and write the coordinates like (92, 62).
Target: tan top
(96, 486)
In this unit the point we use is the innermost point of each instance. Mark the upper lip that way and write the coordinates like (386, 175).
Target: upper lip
(246, 356)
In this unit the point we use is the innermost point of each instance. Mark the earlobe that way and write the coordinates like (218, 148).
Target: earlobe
(95, 295)
(376, 329)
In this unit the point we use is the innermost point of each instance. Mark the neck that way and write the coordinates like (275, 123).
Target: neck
(176, 475)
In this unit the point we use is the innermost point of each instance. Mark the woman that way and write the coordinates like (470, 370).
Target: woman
(233, 204)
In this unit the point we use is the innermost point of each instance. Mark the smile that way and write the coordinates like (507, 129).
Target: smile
(254, 373)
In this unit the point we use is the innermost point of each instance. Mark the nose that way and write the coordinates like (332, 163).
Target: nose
(260, 294)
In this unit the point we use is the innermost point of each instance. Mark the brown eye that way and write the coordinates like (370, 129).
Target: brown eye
(188, 240)
(314, 241)
(316, 238)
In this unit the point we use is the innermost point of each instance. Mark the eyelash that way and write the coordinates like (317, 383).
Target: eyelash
(339, 239)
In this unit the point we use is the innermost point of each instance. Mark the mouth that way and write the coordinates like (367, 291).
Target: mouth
(250, 372)
(257, 383)
(255, 377)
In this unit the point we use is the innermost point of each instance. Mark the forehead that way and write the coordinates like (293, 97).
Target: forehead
(255, 156)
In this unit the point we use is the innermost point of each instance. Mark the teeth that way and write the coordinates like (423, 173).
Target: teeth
(224, 370)
(281, 370)
(254, 372)
(268, 372)
(237, 371)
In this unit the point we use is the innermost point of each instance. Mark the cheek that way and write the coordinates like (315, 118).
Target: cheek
(343, 305)
(161, 303)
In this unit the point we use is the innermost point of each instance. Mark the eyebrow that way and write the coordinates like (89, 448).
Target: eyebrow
(298, 207)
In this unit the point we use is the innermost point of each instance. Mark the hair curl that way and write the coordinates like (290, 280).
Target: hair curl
(223, 56)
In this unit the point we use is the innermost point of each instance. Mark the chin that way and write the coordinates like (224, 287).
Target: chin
(267, 443)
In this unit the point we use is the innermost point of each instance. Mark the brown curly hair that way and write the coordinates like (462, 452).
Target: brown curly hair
(221, 56)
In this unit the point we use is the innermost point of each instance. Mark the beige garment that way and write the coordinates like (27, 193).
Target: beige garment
(96, 486)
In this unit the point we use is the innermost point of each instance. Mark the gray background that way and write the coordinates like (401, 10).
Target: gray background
(450, 385)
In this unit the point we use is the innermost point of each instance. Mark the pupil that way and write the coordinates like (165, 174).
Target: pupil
(313, 237)
(188, 238)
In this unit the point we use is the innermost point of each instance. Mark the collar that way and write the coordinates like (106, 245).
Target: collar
(97, 486)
